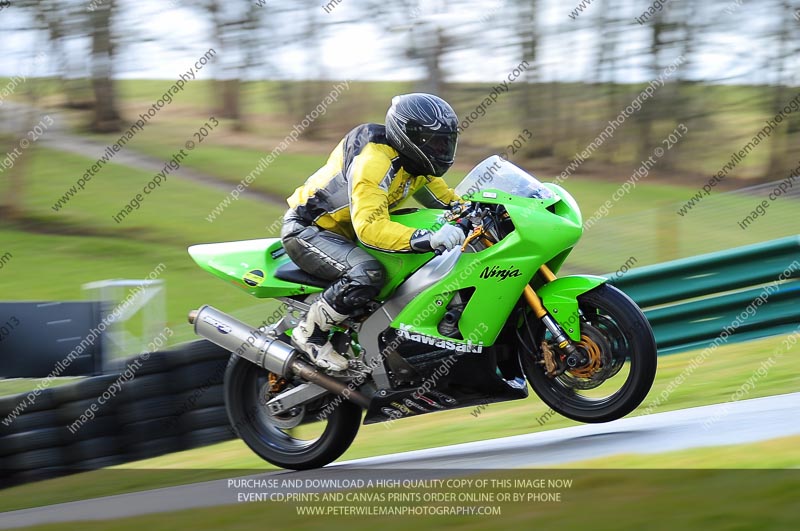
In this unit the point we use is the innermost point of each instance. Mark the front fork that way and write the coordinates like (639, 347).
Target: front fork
(572, 356)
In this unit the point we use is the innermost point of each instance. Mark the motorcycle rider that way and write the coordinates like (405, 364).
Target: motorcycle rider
(370, 172)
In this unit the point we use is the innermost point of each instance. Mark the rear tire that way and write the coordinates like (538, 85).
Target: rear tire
(248, 417)
(630, 337)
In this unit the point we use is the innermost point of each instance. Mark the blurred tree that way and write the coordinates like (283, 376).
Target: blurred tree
(427, 47)
(430, 32)
(106, 116)
(612, 25)
(313, 89)
(61, 19)
(234, 28)
(21, 118)
(782, 156)
(679, 104)
(650, 111)
(538, 115)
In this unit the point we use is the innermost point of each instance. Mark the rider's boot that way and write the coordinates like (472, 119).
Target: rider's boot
(311, 335)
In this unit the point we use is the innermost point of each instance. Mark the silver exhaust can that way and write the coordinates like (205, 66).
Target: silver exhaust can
(253, 344)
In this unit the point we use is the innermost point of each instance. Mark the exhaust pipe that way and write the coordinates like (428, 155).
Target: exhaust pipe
(256, 346)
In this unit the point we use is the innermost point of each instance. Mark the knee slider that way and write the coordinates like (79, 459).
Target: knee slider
(369, 273)
(358, 296)
(345, 297)
(356, 288)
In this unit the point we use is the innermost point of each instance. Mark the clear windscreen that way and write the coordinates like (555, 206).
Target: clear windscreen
(499, 174)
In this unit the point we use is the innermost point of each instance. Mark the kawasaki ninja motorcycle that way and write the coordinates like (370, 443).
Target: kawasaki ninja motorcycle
(453, 329)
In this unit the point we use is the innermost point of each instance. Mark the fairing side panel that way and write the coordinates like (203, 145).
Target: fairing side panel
(499, 273)
(250, 266)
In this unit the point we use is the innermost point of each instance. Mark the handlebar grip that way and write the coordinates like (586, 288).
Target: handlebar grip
(439, 250)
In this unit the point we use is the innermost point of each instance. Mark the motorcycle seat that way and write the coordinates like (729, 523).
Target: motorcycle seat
(290, 272)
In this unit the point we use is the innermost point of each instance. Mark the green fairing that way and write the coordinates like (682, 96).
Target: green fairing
(498, 274)
(560, 298)
(231, 261)
(523, 250)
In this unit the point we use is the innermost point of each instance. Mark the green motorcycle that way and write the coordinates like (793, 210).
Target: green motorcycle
(460, 328)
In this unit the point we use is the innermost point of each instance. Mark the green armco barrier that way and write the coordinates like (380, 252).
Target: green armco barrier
(735, 295)
(706, 274)
(693, 324)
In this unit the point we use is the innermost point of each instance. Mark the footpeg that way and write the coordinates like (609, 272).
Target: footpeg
(358, 366)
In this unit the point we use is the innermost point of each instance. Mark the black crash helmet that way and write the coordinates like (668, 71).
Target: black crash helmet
(423, 128)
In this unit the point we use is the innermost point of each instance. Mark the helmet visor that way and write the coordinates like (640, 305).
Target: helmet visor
(438, 145)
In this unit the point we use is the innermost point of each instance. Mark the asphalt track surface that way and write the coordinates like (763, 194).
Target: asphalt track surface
(737, 422)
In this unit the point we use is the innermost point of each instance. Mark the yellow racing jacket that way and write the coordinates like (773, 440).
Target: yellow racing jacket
(362, 181)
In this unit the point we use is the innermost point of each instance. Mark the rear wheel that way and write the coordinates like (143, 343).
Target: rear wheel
(299, 440)
(619, 342)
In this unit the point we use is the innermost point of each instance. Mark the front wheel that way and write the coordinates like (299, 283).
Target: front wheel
(618, 339)
(308, 437)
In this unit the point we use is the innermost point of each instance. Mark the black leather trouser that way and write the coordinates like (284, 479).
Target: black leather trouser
(358, 276)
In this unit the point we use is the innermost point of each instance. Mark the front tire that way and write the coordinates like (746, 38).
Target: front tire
(244, 383)
(621, 327)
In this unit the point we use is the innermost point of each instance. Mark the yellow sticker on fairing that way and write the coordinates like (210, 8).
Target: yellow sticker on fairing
(254, 277)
